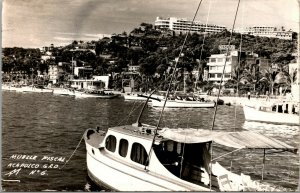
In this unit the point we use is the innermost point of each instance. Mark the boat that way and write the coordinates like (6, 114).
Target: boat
(282, 111)
(184, 103)
(94, 94)
(140, 157)
(139, 96)
(64, 91)
(278, 113)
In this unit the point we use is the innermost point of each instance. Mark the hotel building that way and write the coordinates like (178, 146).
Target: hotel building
(217, 61)
(182, 25)
(271, 32)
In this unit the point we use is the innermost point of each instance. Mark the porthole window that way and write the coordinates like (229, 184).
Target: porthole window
(123, 147)
(139, 154)
(110, 143)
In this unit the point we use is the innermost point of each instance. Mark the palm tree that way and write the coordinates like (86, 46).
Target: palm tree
(269, 78)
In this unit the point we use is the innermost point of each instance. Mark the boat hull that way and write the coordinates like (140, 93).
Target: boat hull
(65, 92)
(183, 104)
(87, 95)
(253, 114)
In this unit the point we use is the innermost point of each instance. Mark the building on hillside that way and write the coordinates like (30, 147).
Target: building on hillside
(264, 65)
(46, 56)
(55, 72)
(83, 72)
(133, 68)
(271, 32)
(217, 61)
(182, 25)
(205, 74)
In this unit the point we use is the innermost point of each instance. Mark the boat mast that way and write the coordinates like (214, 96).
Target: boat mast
(216, 106)
(170, 83)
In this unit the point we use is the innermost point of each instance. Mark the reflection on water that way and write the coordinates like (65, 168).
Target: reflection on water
(43, 124)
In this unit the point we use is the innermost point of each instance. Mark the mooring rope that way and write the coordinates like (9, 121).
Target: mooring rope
(73, 152)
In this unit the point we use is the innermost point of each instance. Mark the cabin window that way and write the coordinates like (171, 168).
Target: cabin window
(139, 154)
(110, 143)
(123, 147)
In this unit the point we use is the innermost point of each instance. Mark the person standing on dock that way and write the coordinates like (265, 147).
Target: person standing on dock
(249, 95)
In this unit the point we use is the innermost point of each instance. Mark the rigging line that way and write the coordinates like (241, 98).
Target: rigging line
(132, 110)
(73, 152)
(238, 74)
(172, 77)
(215, 112)
(216, 108)
(204, 36)
(127, 117)
(227, 153)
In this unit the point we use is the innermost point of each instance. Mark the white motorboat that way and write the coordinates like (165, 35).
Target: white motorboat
(138, 158)
(94, 94)
(64, 91)
(140, 97)
(279, 113)
(183, 104)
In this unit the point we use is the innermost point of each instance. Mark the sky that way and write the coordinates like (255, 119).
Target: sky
(38, 23)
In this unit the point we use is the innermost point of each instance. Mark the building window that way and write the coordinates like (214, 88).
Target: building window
(219, 75)
(228, 60)
(212, 60)
(139, 154)
(220, 59)
(110, 143)
(123, 147)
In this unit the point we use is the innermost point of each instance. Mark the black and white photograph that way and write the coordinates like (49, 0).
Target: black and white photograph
(160, 95)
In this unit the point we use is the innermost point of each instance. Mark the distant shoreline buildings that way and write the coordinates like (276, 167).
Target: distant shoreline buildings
(263, 31)
(183, 25)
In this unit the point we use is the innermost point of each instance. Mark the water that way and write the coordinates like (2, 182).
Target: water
(46, 125)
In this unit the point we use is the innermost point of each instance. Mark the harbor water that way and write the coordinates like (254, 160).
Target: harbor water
(41, 131)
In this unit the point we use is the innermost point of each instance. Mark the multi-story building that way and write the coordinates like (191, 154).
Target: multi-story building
(54, 73)
(271, 32)
(183, 25)
(83, 72)
(217, 61)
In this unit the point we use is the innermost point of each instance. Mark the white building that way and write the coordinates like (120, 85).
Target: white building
(216, 66)
(271, 32)
(95, 83)
(133, 68)
(54, 73)
(183, 25)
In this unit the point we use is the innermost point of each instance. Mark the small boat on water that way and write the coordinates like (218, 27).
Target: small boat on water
(140, 97)
(278, 113)
(94, 94)
(184, 103)
(64, 91)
